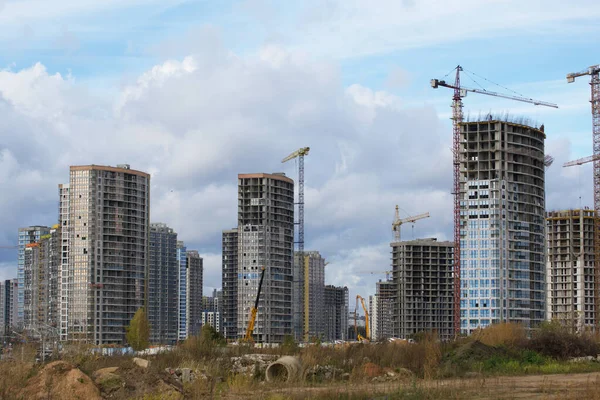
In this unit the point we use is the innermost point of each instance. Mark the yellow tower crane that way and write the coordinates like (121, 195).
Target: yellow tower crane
(398, 223)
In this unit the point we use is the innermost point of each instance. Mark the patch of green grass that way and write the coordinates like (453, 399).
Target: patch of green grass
(530, 362)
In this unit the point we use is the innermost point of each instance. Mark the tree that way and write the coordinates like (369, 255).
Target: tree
(138, 331)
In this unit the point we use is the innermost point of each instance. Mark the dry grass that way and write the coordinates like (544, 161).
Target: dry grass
(510, 335)
(13, 376)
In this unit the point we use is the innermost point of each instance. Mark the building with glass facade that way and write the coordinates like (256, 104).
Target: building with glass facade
(502, 224)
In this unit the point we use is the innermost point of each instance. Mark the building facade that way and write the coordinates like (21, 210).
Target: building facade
(309, 280)
(64, 221)
(265, 239)
(162, 284)
(502, 224)
(9, 307)
(336, 313)
(424, 288)
(386, 296)
(571, 289)
(194, 290)
(31, 270)
(373, 317)
(48, 310)
(212, 318)
(229, 280)
(27, 235)
(182, 296)
(108, 223)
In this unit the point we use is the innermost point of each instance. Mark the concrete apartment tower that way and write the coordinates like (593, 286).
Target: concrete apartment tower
(27, 235)
(41, 283)
(64, 221)
(163, 271)
(310, 296)
(336, 313)
(265, 239)
(502, 224)
(229, 280)
(182, 294)
(48, 313)
(373, 314)
(424, 291)
(108, 224)
(570, 294)
(386, 295)
(195, 281)
(9, 307)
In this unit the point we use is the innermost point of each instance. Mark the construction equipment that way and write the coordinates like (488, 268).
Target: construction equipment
(457, 119)
(387, 273)
(9, 247)
(397, 224)
(594, 72)
(300, 153)
(359, 337)
(254, 311)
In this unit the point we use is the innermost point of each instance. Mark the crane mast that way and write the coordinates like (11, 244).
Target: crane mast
(300, 153)
(594, 72)
(457, 118)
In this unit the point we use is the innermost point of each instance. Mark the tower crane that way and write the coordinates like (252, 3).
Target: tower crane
(397, 224)
(9, 247)
(300, 153)
(457, 119)
(367, 330)
(594, 72)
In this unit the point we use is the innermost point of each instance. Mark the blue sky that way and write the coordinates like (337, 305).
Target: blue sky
(216, 88)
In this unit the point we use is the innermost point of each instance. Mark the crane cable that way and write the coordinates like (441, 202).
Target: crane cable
(493, 83)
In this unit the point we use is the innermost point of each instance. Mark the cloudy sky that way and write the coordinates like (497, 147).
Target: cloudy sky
(196, 92)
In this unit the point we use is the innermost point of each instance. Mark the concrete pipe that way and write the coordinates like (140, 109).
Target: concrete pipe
(285, 369)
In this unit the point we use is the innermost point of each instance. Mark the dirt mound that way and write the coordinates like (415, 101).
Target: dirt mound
(61, 380)
(130, 381)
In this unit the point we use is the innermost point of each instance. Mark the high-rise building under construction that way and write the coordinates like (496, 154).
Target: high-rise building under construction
(103, 282)
(265, 239)
(571, 292)
(309, 290)
(502, 223)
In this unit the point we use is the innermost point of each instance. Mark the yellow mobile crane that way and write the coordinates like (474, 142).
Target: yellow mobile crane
(254, 311)
(367, 330)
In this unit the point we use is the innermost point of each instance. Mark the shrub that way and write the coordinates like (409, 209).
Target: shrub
(555, 340)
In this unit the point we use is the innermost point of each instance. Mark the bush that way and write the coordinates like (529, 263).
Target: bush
(555, 340)
(204, 345)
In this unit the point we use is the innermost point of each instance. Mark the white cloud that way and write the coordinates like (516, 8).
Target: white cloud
(197, 122)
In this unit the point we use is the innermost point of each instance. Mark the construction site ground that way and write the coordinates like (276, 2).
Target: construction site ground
(560, 386)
